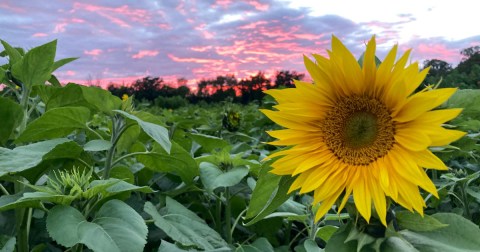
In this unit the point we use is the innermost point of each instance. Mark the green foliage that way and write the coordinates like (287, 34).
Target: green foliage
(116, 227)
(184, 226)
(12, 115)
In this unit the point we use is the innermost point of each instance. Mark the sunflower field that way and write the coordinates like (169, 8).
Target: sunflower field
(362, 158)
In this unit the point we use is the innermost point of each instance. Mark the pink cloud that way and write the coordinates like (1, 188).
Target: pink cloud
(253, 25)
(60, 27)
(39, 34)
(94, 52)
(145, 53)
(223, 3)
(200, 48)
(439, 51)
(259, 6)
(194, 60)
(120, 16)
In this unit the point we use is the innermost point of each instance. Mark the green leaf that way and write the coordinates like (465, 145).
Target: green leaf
(209, 143)
(184, 226)
(326, 232)
(311, 246)
(178, 162)
(338, 243)
(45, 92)
(116, 227)
(35, 197)
(167, 246)
(460, 235)
(259, 245)
(212, 177)
(7, 244)
(469, 100)
(269, 193)
(415, 222)
(94, 98)
(395, 244)
(55, 123)
(25, 157)
(156, 132)
(97, 145)
(57, 64)
(11, 114)
(36, 66)
(13, 54)
(8, 202)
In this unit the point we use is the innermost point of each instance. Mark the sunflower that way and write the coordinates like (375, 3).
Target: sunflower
(361, 130)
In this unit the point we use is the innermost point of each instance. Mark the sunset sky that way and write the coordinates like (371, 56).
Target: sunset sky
(121, 41)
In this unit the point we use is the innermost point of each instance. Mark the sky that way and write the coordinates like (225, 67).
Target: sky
(122, 41)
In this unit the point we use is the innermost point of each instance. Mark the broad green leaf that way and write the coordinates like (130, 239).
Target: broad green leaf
(326, 232)
(259, 245)
(269, 194)
(469, 100)
(122, 173)
(128, 138)
(7, 244)
(156, 132)
(2, 75)
(13, 54)
(8, 202)
(94, 98)
(57, 64)
(338, 243)
(362, 239)
(266, 185)
(11, 114)
(56, 198)
(55, 123)
(460, 235)
(395, 244)
(68, 149)
(35, 67)
(415, 222)
(167, 246)
(308, 246)
(116, 227)
(25, 157)
(45, 92)
(54, 81)
(184, 226)
(212, 177)
(97, 145)
(209, 143)
(178, 162)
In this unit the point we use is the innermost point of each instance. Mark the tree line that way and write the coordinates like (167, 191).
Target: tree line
(223, 87)
(227, 87)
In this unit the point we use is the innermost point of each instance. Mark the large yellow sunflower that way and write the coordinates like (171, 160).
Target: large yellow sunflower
(361, 130)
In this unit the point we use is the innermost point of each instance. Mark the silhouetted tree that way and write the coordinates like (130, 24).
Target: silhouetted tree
(285, 78)
(147, 88)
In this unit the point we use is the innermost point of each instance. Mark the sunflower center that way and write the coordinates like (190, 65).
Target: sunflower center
(358, 130)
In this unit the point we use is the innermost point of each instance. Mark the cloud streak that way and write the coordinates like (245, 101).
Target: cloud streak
(121, 41)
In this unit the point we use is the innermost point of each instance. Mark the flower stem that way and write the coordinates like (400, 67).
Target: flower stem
(228, 216)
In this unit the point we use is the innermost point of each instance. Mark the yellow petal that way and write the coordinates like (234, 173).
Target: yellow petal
(362, 198)
(412, 139)
(326, 205)
(445, 136)
(422, 102)
(426, 159)
(378, 199)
